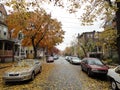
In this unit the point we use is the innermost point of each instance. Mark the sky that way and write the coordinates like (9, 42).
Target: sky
(71, 25)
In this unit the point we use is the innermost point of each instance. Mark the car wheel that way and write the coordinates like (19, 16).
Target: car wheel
(113, 85)
(82, 68)
(89, 72)
(40, 70)
(33, 76)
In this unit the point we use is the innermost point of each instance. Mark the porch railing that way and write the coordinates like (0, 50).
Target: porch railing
(6, 53)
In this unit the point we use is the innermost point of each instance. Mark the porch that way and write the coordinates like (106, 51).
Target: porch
(6, 50)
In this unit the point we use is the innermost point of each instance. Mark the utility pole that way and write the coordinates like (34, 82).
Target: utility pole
(118, 27)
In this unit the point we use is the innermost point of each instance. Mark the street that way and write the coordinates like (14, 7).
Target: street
(60, 75)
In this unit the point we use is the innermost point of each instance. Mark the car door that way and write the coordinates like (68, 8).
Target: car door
(84, 64)
(37, 66)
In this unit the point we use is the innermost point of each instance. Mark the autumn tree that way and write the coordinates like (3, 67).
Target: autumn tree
(93, 10)
(107, 40)
(38, 27)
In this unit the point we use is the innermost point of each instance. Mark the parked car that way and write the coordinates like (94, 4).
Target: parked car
(75, 60)
(114, 77)
(68, 58)
(49, 59)
(94, 66)
(55, 57)
(24, 70)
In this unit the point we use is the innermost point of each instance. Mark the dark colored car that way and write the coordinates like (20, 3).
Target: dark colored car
(50, 59)
(93, 66)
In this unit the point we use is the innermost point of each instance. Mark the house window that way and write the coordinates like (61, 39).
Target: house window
(26, 51)
(0, 14)
(31, 51)
(4, 33)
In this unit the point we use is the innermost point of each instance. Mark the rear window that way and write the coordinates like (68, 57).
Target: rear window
(95, 62)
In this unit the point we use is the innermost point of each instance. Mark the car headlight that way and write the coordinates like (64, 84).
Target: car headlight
(5, 74)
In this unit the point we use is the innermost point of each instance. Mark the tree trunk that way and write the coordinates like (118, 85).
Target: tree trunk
(35, 52)
(118, 28)
(84, 51)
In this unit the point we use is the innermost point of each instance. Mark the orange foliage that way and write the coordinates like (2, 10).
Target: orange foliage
(36, 26)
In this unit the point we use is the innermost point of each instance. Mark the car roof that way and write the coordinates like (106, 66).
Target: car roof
(91, 58)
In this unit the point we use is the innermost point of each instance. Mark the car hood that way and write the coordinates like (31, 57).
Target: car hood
(101, 67)
(18, 69)
(76, 60)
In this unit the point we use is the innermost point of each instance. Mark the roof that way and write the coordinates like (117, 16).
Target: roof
(2, 9)
(89, 58)
(3, 23)
(7, 40)
(86, 33)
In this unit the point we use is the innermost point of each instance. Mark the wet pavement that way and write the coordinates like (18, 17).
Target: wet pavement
(65, 76)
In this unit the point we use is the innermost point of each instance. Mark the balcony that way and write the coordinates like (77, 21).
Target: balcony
(6, 53)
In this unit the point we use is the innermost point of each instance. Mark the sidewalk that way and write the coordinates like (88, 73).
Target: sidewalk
(5, 65)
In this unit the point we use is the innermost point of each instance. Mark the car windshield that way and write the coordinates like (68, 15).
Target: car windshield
(117, 70)
(75, 58)
(95, 62)
(24, 63)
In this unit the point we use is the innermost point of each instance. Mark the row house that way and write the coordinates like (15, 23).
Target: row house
(6, 43)
(11, 48)
(90, 39)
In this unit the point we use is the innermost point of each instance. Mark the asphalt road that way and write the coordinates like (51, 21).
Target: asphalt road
(64, 76)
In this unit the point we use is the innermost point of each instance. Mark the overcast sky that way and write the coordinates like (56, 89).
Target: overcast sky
(71, 25)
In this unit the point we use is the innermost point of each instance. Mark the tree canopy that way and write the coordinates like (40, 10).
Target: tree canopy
(38, 28)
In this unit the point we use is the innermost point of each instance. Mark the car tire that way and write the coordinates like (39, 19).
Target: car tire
(89, 72)
(33, 76)
(5, 82)
(40, 70)
(114, 85)
(82, 68)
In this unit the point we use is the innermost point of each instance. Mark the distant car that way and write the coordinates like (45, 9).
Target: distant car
(114, 77)
(75, 60)
(68, 58)
(50, 59)
(55, 57)
(94, 66)
(23, 70)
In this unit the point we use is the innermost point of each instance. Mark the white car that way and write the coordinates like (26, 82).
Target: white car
(75, 60)
(23, 70)
(114, 77)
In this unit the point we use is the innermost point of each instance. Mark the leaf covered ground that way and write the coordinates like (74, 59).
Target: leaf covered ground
(36, 84)
(42, 81)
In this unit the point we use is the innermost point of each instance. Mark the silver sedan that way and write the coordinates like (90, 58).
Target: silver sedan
(23, 70)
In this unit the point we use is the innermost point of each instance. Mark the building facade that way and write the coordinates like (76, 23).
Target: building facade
(6, 44)
(88, 42)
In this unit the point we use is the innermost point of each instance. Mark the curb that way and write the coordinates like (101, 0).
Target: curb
(4, 67)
